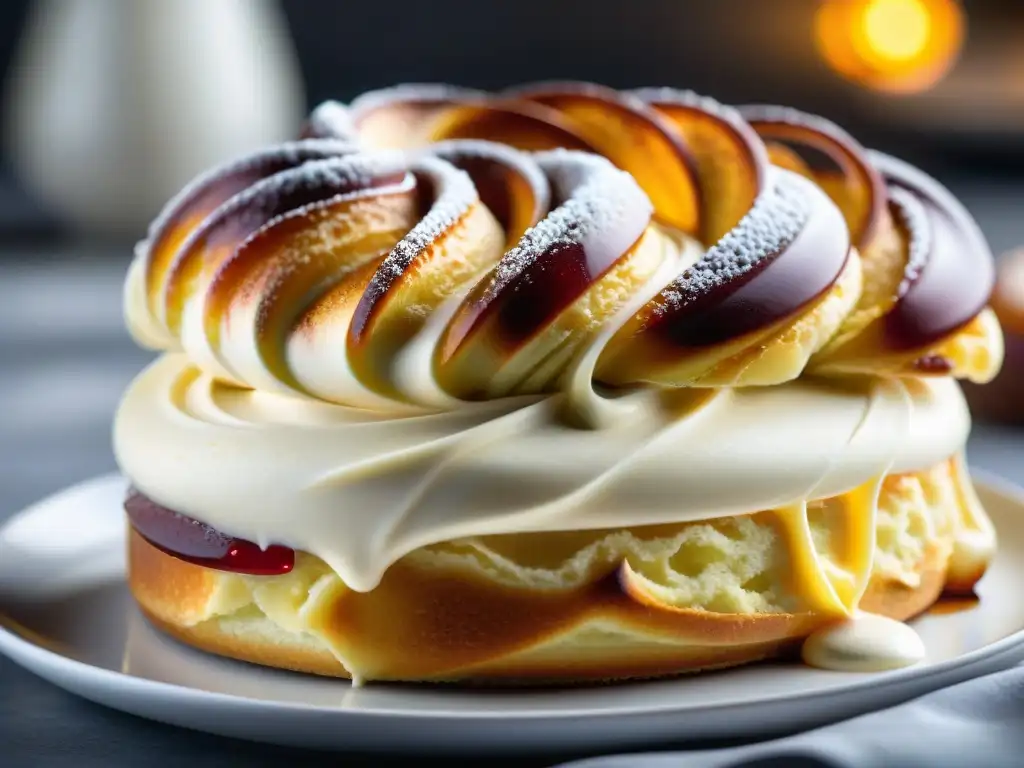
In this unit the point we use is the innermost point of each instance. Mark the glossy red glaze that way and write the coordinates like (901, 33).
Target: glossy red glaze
(195, 542)
(559, 277)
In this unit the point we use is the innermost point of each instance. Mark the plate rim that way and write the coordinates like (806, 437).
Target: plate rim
(34, 657)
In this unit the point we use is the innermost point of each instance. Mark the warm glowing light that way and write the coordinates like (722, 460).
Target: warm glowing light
(892, 45)
(897, 29)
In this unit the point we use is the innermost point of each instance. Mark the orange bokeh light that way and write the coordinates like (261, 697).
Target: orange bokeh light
(890, 45)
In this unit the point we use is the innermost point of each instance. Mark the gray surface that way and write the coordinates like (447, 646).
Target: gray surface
(64, 360)
(974, 723)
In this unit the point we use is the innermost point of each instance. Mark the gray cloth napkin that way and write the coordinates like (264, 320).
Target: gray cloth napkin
(973, 724)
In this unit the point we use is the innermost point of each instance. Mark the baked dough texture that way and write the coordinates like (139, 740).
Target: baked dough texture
(578, 606)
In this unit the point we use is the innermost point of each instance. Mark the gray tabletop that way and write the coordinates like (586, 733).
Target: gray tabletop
(64, 360)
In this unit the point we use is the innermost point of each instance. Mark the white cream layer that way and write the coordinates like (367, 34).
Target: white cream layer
(360, 489)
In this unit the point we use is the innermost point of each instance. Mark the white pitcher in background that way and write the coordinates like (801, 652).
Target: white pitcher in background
(114, 104)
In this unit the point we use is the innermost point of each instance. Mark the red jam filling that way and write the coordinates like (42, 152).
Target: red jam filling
(195, 542)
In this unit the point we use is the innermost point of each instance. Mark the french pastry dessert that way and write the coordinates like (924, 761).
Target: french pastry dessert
(559, 384)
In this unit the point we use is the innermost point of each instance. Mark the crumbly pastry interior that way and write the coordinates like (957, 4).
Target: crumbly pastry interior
(586, 605)
(562, 383)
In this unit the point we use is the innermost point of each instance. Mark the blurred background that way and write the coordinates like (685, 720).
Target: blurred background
(109, 106)
(132, 82)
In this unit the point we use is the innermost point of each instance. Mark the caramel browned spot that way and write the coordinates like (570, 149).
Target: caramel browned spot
(296, 253)
(730, 159)
(636, 138)
(518, 124)
(767, 268)
(768, 231)
(455, 240)
(599, 217)
(403, 116)
(784, 255)
(509, 182)
(830, 157)
(241, 217)
(191, 207)
(950, 271)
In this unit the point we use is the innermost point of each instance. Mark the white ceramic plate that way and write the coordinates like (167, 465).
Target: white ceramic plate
(66, 615)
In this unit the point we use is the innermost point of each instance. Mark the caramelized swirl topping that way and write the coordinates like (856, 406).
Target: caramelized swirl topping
(427, 243)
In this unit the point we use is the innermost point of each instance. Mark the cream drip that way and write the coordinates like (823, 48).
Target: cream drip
(864, 643)
(360, 489)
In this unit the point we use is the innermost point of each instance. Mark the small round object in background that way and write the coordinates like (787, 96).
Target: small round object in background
(896, 46)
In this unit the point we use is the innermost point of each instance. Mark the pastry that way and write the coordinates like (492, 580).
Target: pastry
(557, 384)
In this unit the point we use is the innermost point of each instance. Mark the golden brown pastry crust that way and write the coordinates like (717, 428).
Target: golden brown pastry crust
(425, 625)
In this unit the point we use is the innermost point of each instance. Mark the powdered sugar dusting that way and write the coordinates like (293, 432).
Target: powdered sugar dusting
(259, 164)
(770, 113)
(690, 99)
(454, 193)
(297, 152)
(296, 187)
(327, 186)
(574, 88)
(843, 153)
(597, 198)
(557, 87)
(421, 92)
(520, 162)
(914, 219)
(666, 98)
(331, 119)
(351, 173)
(767, 230)
(294, 191)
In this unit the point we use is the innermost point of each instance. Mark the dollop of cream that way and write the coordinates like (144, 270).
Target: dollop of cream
(865, 642)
